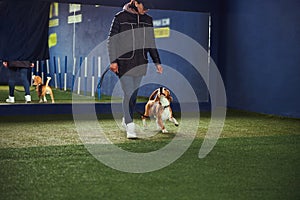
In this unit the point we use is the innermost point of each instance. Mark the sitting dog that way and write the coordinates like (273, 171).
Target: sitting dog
(159, 107)
(42, 89)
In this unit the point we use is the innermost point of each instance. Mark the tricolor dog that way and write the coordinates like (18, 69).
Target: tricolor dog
(42, 89)
(159, 107)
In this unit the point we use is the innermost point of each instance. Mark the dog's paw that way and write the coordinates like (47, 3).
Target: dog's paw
(164, 131)
(176, 124)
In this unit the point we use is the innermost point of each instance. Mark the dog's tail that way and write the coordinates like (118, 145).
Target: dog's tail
(48, 80)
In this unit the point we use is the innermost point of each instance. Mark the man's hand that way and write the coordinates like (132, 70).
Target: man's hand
(159, 69)
(5, 64)
(114, 67)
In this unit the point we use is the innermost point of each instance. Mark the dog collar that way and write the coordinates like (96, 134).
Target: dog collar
(166, 106)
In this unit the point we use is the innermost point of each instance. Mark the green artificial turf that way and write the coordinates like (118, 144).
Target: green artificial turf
(249, 168)
(256, 157)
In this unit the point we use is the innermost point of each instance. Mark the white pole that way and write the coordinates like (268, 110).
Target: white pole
(93, 86)
(47, 65)
(74, 66)
(42, 73)
(78, 88)
(55, 72)
(59, 72)
(85, 67)
(37, 67)
(55, 80)
(85, 75)
(47, 68)
(99, 67)
(58, 64)
(65, 82)
(74, 36)
(99, 75)
(73, 74)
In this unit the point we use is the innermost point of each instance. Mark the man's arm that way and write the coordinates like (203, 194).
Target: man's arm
(112, 40)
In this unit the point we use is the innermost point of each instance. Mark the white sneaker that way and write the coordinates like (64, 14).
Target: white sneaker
(10, 99)
(131, 131)
(27, 99)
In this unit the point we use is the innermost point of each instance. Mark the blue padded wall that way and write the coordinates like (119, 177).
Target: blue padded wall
(260, 55)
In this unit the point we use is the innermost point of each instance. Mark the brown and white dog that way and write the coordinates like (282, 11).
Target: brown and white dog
(159, 107)
(42, 89)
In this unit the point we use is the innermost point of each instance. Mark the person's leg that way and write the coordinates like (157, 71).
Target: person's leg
(130, 87)
(132, 102)
(11, 84)
(127, 87)
(24, 79)
(12, 81)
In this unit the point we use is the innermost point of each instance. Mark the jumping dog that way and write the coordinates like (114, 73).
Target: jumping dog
(158, 106)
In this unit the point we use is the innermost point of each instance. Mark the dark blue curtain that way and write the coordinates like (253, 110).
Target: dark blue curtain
(24, 30)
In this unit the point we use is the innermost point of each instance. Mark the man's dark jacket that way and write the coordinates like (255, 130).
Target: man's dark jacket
(130, 40)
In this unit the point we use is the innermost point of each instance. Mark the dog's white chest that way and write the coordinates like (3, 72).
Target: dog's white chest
(166, 114)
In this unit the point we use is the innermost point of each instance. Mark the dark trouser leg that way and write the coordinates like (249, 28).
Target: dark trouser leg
(12, 74)
(24, 78)
(130, 86)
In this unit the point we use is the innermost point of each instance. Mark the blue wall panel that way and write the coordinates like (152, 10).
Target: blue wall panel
(260, 55)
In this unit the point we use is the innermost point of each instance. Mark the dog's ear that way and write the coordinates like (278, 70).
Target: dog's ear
(169, 95)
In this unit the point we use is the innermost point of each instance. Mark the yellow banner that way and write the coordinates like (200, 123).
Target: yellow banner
(163, 32)
(53, 22)
(52, 41)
